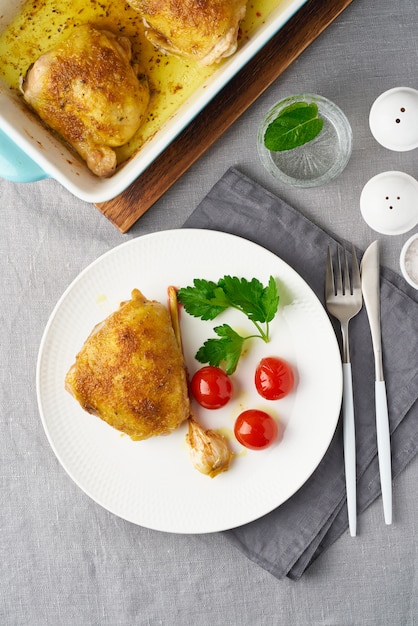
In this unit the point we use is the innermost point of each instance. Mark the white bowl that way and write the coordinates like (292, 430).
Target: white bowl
(409, 261)
(55, 160)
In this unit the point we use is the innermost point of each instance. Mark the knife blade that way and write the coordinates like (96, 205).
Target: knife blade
(370, 284)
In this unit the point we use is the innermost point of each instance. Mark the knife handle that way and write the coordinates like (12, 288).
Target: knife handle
(349, 441)
(383, 448)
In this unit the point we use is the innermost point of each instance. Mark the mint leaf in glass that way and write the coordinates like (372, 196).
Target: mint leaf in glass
(295, 125)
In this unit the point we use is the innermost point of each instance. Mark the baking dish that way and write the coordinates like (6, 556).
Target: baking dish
(29, 152)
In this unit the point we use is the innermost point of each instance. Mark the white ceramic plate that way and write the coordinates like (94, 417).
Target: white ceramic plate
(153, 483)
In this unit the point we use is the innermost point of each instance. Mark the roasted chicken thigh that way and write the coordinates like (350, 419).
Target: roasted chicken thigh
(203, 30)
(86, 89)
(130, 371)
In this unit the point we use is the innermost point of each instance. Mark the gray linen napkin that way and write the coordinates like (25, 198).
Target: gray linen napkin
(287, 540)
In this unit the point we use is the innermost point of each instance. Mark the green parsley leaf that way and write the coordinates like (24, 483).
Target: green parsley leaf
(295, 125)
(207, 299)
(270, 300)
(226, 350)
(245, 295)
(203, 299)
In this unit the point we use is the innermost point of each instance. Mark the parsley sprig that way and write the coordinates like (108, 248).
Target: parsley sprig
(207, 299)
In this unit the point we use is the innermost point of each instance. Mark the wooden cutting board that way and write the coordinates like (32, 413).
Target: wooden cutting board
(242, 90)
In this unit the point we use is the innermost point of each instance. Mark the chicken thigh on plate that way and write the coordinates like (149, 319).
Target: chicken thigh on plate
(87, 90)
(130, 371)
(203, 30)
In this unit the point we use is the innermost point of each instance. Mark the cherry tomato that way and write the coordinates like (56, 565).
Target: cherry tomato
(274, 378)
(211, 387)
(255, 429)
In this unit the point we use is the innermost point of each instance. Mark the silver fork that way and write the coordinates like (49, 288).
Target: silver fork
(344, 300)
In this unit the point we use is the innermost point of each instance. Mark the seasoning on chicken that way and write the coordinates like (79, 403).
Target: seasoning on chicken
(203, 30)
(87, 90)
(130, 371)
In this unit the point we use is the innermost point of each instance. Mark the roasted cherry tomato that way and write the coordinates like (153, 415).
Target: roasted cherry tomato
(255, 429)
(274, 378)
(211, 387)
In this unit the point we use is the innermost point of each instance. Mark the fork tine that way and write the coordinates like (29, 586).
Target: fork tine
(348, 287)
(339, 273)
(343, 282)
(355, 269)
(329, 276)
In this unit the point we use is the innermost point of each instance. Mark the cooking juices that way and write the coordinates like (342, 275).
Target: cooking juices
(41, 24)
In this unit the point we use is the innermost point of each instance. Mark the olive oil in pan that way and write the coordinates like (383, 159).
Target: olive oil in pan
(41, 24)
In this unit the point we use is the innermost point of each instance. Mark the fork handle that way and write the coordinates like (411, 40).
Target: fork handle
(383, 448)
(349, 441)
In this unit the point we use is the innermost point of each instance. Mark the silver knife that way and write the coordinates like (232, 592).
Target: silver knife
(370, 284)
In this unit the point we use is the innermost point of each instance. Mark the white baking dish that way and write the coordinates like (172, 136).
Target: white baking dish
(29, 152)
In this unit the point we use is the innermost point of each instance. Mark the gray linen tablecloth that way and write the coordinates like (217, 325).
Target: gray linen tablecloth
(64, 560)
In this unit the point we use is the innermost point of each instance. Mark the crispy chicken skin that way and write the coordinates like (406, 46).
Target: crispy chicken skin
(86, 89)
(131, 373)
(203, 30)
